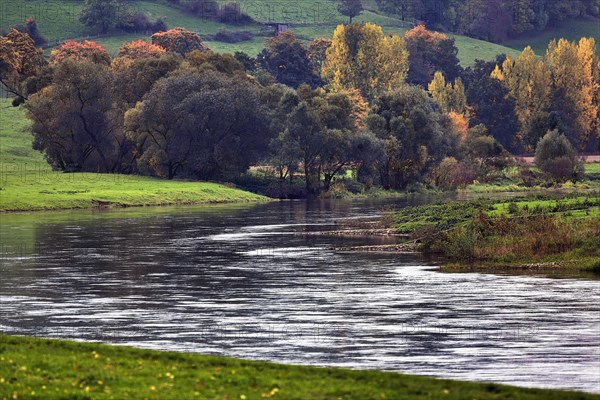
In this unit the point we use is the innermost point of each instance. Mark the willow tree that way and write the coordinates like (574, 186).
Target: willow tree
(362, 57)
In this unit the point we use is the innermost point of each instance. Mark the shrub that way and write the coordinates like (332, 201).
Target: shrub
(159, 25)
(201, 8)
(231, 13)
(30, 28)
(450, 174)
(555, 156)
(460, 242)
(179, 40)
(233, 37)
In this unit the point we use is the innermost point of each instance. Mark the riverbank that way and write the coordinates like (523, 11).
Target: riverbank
(28, 184)
(51, 369)
(54, 191)
(531, 233)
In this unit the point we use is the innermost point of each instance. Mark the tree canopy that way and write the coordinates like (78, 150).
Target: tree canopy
(362, 57)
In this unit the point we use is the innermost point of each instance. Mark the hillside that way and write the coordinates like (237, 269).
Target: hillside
(570, 29)
(58, 21)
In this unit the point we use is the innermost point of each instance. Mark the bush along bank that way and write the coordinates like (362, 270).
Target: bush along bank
(536, 232)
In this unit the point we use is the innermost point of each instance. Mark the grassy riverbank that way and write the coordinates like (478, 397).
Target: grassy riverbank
(28, 184)
(535, 232)
(52, 369)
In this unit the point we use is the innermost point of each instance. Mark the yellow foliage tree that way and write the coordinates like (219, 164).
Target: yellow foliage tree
(450, 97)
(362, 57)
(574, 67)
(529, 81)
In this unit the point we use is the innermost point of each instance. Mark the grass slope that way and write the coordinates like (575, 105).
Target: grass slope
(58, 21)
(28, 183)
(572, 29)
(57, 369)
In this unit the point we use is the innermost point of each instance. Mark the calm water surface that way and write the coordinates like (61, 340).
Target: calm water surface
(252, 282)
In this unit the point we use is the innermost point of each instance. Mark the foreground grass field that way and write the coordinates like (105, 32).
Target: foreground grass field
(27, 183)
(57, 369)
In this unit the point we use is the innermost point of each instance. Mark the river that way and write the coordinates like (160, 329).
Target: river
(252, 282)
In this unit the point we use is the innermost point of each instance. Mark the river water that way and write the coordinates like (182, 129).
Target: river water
(253, 282)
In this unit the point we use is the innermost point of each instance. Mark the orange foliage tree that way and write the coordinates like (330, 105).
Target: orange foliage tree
(179, 40)
(140, 49)
(19, 59)
(430, 52)
(86, 50)
(460, 124)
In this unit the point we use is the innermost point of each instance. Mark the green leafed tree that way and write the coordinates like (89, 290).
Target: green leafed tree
(415, 134)
(350, 8)
(557, 157)
(74, 121)
(99, 14)
(202, 126)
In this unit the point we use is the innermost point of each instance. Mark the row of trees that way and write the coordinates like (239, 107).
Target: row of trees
(174, 109)
(558, 91)
(493, 20)
(103, 15)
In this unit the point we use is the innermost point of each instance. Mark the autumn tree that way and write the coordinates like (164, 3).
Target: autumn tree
(140, 49)
(86, 50)
(208, 60)
(286, 58)
(19, 60)
(430, 52)
(362, 57)
(574, 69)
(350, 8)
(74, 121)
(179, 40)
(529, 81)
(449, 96)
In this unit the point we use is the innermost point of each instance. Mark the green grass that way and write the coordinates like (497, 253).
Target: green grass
(58, 21)
(58, 369)
(572, 29)
(448, 215)
(559, 231)
(592, 171)
(28, 183)
(575, 206)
